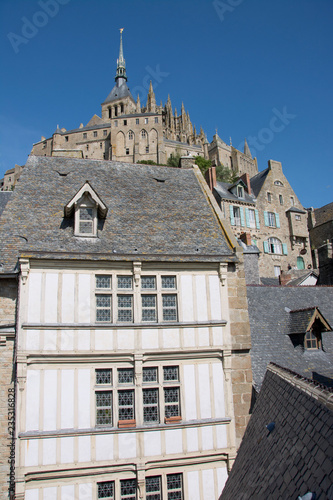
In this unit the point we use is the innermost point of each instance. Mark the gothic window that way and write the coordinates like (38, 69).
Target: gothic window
(137, 121)
(156, 119)
(143, 134)
(147, 149)
(130, 135)
(122, 109)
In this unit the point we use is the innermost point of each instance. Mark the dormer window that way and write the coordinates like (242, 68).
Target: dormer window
(240, 191)
(87, 207)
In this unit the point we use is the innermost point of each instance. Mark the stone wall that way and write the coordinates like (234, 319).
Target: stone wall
(8, 296)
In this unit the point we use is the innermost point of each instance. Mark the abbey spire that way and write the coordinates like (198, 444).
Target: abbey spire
(121, 76)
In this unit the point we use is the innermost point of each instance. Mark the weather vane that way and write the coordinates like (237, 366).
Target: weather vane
(121, 30)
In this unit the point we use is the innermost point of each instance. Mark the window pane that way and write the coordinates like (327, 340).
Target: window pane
(174, 486)
(125, 312)
(86, 213)
(106, 490)
(86, 227)
(171, 402)
(103, 307)
(128, 489)
(169, 282)
(103, 376)
(126, 405)
(125, 282)
(149, 312)
(169, 303)
(125, 375)
(103, 408)
(149, 374)
(153, 488)
(150, 405)
(170, 373)
(103, 282)
(148, 282)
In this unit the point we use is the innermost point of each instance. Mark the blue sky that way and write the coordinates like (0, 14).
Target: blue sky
(260, 69)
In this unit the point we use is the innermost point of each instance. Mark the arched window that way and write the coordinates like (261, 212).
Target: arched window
(274, 246)
(130, 135)
(143, 134)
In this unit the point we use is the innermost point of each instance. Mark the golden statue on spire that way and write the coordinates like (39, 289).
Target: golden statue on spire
(121, 30)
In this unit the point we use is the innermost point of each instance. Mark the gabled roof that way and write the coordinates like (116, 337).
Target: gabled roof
(154, 213)
(296, 456)
(301, 320)
(258, 181)
(301, 279)
(296, 210)
(118, 93)
(86, 189)
(270, 319)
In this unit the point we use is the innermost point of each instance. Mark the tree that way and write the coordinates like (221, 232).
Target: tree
(173, 160)
(203, 164)
(225, 174)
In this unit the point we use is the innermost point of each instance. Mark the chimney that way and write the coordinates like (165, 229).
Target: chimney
(210, 177)
(246, 178)
(284, 278)
(246, 238)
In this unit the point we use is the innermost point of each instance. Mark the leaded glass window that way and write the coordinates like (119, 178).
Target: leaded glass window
(104, 408)
(149, 309)
(171, 402)
(128, 489)
(86, 221)
(103, 376)
(125, 282)
(125, 308)
(175, 487)
(150, 405)
(105, 490)
(153, 488)
(170, 373)
(125, 376)
(103, 307)
(103, 282)
(148, 282)
(169, 282)
(169, 303)
(126, 405)
(149, 374)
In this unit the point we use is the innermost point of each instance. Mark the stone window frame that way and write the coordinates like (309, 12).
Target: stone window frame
(275, 246)
(83, 205)
(165, 303)
(84, 135)
(105, 133)
(95, 133)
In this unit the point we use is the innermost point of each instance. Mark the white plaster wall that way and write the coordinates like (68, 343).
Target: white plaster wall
(190, 392)
(171, 338)
(222, 476)
(127, 445)
(67, 492)
(50, 400)
(203, 335)
(85, 491)
(32, 400)
(152, 444)
(192, 439)
(83, 398)
(31, 494)
(173, 441)
(103, 340)
(201, 298)
(193, 485)
(67, 299)
(67, 340)
(67, 450)
(218, 383)
(83, 340)
(34, 297)
(51, 297)
(84, 449)
(67, 399)
(207, 437)
(189, 337)
(150, 339)
(32, 342)
(31, 452)
(50, 493)
(50, 340)
(208, 484)
(126, 339)
(187, 313)
(215, 299)
(84, 315)
(204, 391)
(49, 451)
(104, 447)
(221, 436)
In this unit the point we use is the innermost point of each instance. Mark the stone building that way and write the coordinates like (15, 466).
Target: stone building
(10, 178)
(264, 211)
(320, 222)
(133, 340)
(128, 130)
(239, 162)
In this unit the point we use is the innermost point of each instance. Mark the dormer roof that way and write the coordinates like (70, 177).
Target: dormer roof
(301, 320)
(86, 189)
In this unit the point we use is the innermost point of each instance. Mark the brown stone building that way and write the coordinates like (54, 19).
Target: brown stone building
(321, 237)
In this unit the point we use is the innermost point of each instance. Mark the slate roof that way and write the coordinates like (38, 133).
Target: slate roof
(222, 189)
(269, 313)
(4, 199)
(118, 93)
(296, 210)
(257, 181)
(154, 213)
(296, 456)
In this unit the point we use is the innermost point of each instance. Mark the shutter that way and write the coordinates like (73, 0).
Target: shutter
(277, 220)
(232, 220)
(284, 249)
(266, 246)
(266, 219)
(242, 216)
(247, 217)
(257, 219)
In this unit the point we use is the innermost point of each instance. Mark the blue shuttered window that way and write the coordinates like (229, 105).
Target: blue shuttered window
(284, 249)
(277, 220)
(232, 220)
(247, 217)
(257, 219)
(266, 248)
(266, 219)
(242, 216)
